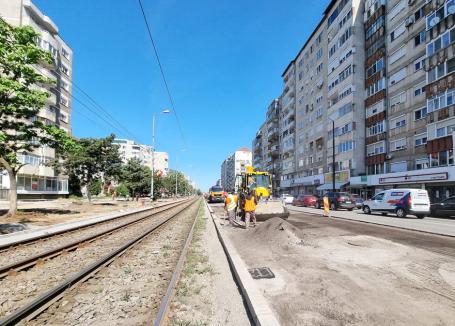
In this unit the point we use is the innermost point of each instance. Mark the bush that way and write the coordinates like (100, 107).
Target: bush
(95, 187)
(122, 190)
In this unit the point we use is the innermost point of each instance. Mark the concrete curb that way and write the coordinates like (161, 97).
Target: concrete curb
(52, 229)
(380, 224)
(260, 311)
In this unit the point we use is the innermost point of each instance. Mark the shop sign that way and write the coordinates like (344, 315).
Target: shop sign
(316, 182)
(340, 177)
(429, 177)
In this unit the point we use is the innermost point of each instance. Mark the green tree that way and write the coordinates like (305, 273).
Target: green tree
(95, 187)
(93, 159)
(175, 179)
(122, 190)
(22, 96)
(136, 177)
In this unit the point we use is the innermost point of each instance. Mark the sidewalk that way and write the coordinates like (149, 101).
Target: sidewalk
(445, 227)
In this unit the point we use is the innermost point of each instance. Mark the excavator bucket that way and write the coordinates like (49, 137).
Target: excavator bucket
(266, 209)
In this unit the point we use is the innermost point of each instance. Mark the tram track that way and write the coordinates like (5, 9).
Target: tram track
(26, 253)
(45, 284)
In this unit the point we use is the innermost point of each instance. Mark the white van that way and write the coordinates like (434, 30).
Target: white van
(399, 201)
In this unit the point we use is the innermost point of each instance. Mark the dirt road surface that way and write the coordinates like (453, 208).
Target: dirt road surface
(335, 272)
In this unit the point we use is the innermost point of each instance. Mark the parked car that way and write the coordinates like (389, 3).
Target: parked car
(305, 200)
(399, 201)
(337, 200)
(444, 208)
(287, 198)
(358, 201)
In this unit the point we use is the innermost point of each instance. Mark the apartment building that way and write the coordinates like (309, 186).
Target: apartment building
(233, 165)
(408, 76)
(260, 148)
(129, 149)
(36, 179)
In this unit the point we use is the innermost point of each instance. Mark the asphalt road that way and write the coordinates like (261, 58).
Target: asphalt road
(429, 224)
(436, 243)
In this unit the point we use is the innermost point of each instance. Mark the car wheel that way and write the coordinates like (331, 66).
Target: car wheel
(350, 209)
(401, 213)
(420, 216)
(318, 206)
(366, 210)
(333, 207)
(383, 213)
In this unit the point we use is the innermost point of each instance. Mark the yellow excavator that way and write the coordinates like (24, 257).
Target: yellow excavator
(261, 184)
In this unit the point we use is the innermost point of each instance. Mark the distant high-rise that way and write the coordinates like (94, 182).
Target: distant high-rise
(233, 165)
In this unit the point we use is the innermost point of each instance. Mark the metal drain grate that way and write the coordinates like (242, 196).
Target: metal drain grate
(261, 272)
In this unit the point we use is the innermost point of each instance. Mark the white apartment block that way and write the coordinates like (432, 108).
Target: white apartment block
(36, 179)
(234, 165)
(129, 149)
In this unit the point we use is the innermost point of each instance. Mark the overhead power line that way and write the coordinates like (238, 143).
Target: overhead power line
(171, 99)
(99, 110)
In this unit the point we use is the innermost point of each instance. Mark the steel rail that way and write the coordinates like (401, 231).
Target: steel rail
(166, 301)
(10, 245)
(40, 303)
(33, 260)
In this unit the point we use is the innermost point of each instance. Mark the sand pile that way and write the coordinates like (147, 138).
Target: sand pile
(276, 231)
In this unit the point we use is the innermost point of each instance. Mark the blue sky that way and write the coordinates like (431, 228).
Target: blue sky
(223, 60)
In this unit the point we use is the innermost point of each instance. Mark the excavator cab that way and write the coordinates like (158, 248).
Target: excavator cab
(261, 184)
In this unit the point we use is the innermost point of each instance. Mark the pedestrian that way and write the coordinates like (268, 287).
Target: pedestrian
(230, 206)
(250, 209)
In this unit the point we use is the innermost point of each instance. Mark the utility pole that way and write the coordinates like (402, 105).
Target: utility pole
(333, 156)
(153, 158)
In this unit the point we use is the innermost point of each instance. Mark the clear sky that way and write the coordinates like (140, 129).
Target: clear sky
(223, 60)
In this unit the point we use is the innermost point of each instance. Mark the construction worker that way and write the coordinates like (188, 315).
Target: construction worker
(250, 209)
(230, 206)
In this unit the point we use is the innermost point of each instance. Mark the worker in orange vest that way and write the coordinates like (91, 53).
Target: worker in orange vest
(250, 209)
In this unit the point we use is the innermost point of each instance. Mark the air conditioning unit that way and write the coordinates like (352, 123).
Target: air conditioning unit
(409, 21)
(388, 157)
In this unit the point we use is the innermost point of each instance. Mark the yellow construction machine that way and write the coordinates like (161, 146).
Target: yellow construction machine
(260, 184)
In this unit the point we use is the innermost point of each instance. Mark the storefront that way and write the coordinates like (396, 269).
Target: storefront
(31, 186)
(440, 182)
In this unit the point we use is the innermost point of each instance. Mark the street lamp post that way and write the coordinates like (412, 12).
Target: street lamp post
(153, 153)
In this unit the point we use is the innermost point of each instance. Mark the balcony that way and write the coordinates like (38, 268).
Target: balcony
(47, 113)
(272, 134)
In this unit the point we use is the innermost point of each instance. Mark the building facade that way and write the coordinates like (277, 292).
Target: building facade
(233, 165)
(379, 77)
(129, 149)
(36, 178)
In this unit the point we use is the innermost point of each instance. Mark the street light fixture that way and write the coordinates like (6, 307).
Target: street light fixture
(165, 111)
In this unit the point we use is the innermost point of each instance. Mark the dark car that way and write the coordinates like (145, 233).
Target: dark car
(358, 201)
(338, 200)
(305, 200)
(443, 208)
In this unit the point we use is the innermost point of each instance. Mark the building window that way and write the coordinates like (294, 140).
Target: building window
(398, 99)
(422, 163)
(65, 53)
(376, 148)
(64, 69)
(441, 42)
(64, 100)
(398, 167)
(377, 66)
(443, 158)
(418, 64)
(346, 146)
(398, 122)
(397, 77)
(419, 89)
(441, 70)
(375, 87)
(401, 52)
(420, 38)
(441, 100)
(397, 32)
(420, 139)
(377, 128)
(420, 113)
(397, 145)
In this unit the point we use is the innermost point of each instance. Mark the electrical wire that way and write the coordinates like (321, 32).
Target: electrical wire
(171, 99)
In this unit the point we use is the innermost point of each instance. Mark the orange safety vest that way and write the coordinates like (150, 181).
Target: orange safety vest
(250, 205)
